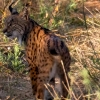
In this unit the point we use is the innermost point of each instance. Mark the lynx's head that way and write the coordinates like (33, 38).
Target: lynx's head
(17, 25)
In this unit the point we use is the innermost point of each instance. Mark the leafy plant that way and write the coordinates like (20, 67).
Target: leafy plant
(16, 61)
(72, 6)
(13, 59)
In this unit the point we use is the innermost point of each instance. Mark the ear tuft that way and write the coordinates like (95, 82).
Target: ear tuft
(25, 11)
(13, 11)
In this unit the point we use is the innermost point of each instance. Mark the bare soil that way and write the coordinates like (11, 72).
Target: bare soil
(14, 86)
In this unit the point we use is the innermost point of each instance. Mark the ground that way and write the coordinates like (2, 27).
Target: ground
(15, 87)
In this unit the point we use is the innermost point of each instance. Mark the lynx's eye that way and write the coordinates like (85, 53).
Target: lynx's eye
(10, 22)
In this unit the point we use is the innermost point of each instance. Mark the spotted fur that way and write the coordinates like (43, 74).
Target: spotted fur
(44, 52)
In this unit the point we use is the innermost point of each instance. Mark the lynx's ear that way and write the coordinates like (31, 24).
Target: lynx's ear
(13, 11)
(25, 12)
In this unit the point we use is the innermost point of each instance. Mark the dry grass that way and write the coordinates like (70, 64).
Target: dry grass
(85, 73)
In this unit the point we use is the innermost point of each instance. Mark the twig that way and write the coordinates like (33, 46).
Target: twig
(48, 90)
(65, 73)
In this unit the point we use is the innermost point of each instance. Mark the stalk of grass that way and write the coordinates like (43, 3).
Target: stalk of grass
(48, 90)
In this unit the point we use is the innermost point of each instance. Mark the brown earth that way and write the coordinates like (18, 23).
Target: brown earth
(90, 7)
(15, 87)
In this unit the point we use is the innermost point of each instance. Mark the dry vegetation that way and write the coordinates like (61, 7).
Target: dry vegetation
(84, 45)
